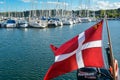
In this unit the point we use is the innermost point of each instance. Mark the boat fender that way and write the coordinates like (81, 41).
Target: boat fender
(116, 68)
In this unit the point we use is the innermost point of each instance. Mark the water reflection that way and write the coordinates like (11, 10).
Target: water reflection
(25, 29)
(9, 29)
(71, 26)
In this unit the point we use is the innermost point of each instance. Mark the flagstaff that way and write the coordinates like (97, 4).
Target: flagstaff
(110, 46)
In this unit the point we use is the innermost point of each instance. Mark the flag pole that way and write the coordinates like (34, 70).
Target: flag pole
(110, 46)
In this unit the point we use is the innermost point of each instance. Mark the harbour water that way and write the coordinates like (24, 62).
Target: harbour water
(25, 53)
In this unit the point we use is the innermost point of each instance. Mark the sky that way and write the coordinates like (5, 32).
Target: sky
(23, 5)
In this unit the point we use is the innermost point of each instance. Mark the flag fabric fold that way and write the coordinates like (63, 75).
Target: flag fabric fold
(84, 50)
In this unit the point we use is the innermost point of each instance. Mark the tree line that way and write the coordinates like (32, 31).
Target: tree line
(113, 13)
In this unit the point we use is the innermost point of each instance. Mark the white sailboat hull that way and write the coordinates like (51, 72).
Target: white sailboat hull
(10, 25)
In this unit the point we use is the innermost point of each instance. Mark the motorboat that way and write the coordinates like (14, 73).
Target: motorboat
(22, 23)
(9, 23)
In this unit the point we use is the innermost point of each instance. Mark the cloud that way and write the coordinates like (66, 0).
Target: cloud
(106, 5)
(55, 3)
(101, 4)
(27, 1)
(1, 2)
(58, 3)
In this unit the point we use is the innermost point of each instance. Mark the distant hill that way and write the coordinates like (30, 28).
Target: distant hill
(113, 13)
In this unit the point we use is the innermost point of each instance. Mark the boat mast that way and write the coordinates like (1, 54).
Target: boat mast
(71, 10)
(80, 8)
(88, 2)
(56, 9)
(9, 11)
(111, 51)
(93, 13)
(65, 8)
(42, 9)
(4, 14)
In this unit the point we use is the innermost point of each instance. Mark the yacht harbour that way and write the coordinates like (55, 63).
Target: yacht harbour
(28, 27)
(25, 52)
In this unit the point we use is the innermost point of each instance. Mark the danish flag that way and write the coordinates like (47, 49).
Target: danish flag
(84, 50)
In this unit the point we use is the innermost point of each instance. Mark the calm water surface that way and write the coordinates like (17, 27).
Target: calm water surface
(25, 53)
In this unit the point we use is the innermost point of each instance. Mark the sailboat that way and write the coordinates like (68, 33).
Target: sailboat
(86, 17)
(34, 22)
(22, 23)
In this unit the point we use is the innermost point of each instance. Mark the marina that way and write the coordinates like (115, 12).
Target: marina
(25, 57)
(53, 15)
(45, 22)
(42, 22)
(58, 40)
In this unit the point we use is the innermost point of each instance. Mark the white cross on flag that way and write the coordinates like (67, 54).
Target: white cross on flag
(84, 50)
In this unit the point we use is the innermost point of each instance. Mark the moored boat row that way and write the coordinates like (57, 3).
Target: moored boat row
(44, 22)
(41, 22)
